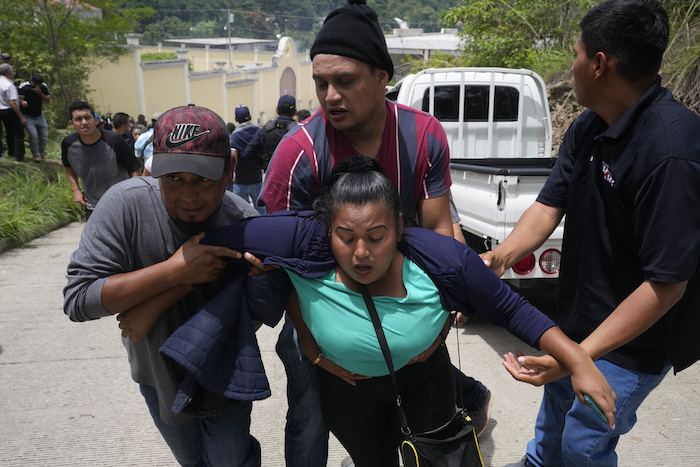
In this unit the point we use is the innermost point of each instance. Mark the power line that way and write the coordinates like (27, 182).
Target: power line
(277, 15)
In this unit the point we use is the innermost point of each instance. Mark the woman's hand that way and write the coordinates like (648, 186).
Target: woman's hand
(337, 370)
(534, 370)
(256, 266)
(459, 318)
(424, 355)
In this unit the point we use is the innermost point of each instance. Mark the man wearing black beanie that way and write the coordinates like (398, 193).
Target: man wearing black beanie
(351, 68)
(353, 31)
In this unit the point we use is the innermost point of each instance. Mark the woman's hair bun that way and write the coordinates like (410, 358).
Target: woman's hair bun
(355, 164)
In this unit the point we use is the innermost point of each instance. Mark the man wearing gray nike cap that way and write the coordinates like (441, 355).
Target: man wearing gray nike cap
(140, 259)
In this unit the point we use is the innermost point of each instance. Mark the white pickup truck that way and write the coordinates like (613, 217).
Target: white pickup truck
(500, 135)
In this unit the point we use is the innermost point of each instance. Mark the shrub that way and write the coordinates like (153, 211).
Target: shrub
(33, 200)
(158, 56)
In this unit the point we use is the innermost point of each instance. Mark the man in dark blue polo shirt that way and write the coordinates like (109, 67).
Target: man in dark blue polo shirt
(628, 180)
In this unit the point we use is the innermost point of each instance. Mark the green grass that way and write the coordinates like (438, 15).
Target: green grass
(34, 199)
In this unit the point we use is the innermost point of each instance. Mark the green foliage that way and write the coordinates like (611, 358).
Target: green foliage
(681, 67)
(256, 24)
(167, 28)
(260, 19)
(158, 56)
(553, 65)
(539, 34)
(208, 29)
(34, 200)
(437, 61)
(513, 33)
(549, 64)
(423, 14)
(60, 42)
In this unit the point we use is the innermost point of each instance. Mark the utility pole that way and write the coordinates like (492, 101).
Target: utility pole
(228, 30)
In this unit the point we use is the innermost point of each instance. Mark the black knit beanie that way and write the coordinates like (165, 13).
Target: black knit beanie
(353, 31)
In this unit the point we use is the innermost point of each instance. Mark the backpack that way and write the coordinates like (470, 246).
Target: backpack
(274, 132)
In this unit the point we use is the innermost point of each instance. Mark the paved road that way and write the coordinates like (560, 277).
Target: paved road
(66, 397)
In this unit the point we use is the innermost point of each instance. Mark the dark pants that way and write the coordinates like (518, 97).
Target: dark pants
(14, 134)
(223, 439)
(364, 418)
(306, 433)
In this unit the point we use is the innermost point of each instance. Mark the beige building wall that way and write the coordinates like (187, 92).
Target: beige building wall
(209, 87)
(113, 86)
(206, 59)
(240, 92)
(306, 99)
(166, 85)
(202, 76)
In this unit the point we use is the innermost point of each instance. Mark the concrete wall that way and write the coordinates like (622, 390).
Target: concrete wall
(209, 87)
(166, 84)
(202, 76)
(111, 83)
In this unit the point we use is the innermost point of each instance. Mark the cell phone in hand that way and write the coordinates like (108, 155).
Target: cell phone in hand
(595, 408)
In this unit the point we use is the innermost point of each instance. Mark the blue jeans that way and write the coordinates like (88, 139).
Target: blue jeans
(38, 132)
(251, 191)
(218, 440)
(569, 433)
(306, 433)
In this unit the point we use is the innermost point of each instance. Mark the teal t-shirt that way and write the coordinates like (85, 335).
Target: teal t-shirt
(339, 320)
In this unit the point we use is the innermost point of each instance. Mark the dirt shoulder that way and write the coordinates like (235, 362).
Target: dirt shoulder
(563, 108)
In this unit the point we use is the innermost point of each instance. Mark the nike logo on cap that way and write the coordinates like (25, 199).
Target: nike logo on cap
(184, 133)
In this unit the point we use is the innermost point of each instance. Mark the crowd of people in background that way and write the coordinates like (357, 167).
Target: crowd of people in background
(21, 109)
(92, 168)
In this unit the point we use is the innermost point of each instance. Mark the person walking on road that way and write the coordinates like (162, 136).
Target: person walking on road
(628, 180)
(249, 168)
(140, 258)
(351, 67)
(264, 143)
(97, 158)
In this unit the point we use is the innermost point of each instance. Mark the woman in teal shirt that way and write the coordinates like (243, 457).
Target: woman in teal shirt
(361, 208)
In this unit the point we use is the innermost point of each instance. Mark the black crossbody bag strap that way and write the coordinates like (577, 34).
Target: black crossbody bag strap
(387, 355)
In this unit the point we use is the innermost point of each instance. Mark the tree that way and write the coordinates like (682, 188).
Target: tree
(513, 33)
(62, 40)
(168, 27)
(257, 25)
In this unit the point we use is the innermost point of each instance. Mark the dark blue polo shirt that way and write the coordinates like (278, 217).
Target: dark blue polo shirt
(632, 198)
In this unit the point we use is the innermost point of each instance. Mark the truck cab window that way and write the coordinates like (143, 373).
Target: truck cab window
(476, 103)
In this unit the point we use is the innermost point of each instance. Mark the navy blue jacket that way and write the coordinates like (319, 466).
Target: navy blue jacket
(204, 346)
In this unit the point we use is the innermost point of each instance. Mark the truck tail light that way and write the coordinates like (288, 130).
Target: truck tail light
(550, 261)
(525, 265)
